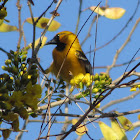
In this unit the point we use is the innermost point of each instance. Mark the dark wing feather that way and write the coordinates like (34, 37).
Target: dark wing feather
(84, 61)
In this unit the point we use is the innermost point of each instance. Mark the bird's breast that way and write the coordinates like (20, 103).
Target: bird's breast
(71, 65)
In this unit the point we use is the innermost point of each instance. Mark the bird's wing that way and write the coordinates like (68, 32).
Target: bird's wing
(84, 61)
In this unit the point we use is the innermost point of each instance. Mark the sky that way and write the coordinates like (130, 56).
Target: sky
(106, 30)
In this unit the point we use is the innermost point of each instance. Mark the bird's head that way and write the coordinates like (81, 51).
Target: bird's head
(64, 38)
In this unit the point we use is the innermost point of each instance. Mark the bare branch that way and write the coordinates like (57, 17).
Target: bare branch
(122, 47)
(18, 137)
(120, 100)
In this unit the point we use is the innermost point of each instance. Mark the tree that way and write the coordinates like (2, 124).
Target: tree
(27, 94)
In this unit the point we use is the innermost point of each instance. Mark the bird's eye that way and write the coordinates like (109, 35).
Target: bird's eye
(57, 37)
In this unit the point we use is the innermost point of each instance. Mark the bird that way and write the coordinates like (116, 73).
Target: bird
(68, 58)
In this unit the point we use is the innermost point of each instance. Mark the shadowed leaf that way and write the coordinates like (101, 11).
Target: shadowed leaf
(3, 13)
(98, 10)
(126, 124)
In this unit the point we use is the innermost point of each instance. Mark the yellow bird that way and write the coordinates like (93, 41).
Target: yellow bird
(68, 58)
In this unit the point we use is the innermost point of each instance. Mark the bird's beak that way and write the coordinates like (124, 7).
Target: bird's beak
(53, 41)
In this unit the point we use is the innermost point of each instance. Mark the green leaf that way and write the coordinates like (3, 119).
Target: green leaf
(126, 124)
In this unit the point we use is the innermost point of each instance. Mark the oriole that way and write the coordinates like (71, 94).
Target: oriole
(69, 53)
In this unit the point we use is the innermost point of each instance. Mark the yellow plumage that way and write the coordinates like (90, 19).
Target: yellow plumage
(69, 53)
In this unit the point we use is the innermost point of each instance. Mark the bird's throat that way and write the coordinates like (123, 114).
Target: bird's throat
(60, 47)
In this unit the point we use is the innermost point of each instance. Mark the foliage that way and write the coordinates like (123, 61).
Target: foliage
(98, 82)
(18, 89)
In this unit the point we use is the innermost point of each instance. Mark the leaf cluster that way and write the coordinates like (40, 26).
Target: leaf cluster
(18, 89)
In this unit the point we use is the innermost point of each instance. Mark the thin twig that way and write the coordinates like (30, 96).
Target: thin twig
(34, 27)
(95, 43)
(49, 111)
(122, 47)
(120, 100)
(90, 115)
(117, 65)
(18, 137)
(79, 15)
(24, 38)
(65, 126)
(2, 129)
(19, 24)
(89, 30)
(136, 135)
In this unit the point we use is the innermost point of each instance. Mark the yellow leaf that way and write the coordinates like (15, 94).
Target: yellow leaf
(98, 10)
(37, 41)
(119, 131)
(86, 78)
(126, 124)
(81, 129)
(7, 28)
(139, 117)
(108, 133)
(114, 12)
(43, 22)
(133, 89)
(29, 76)
(98, 105)
(95, 90)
